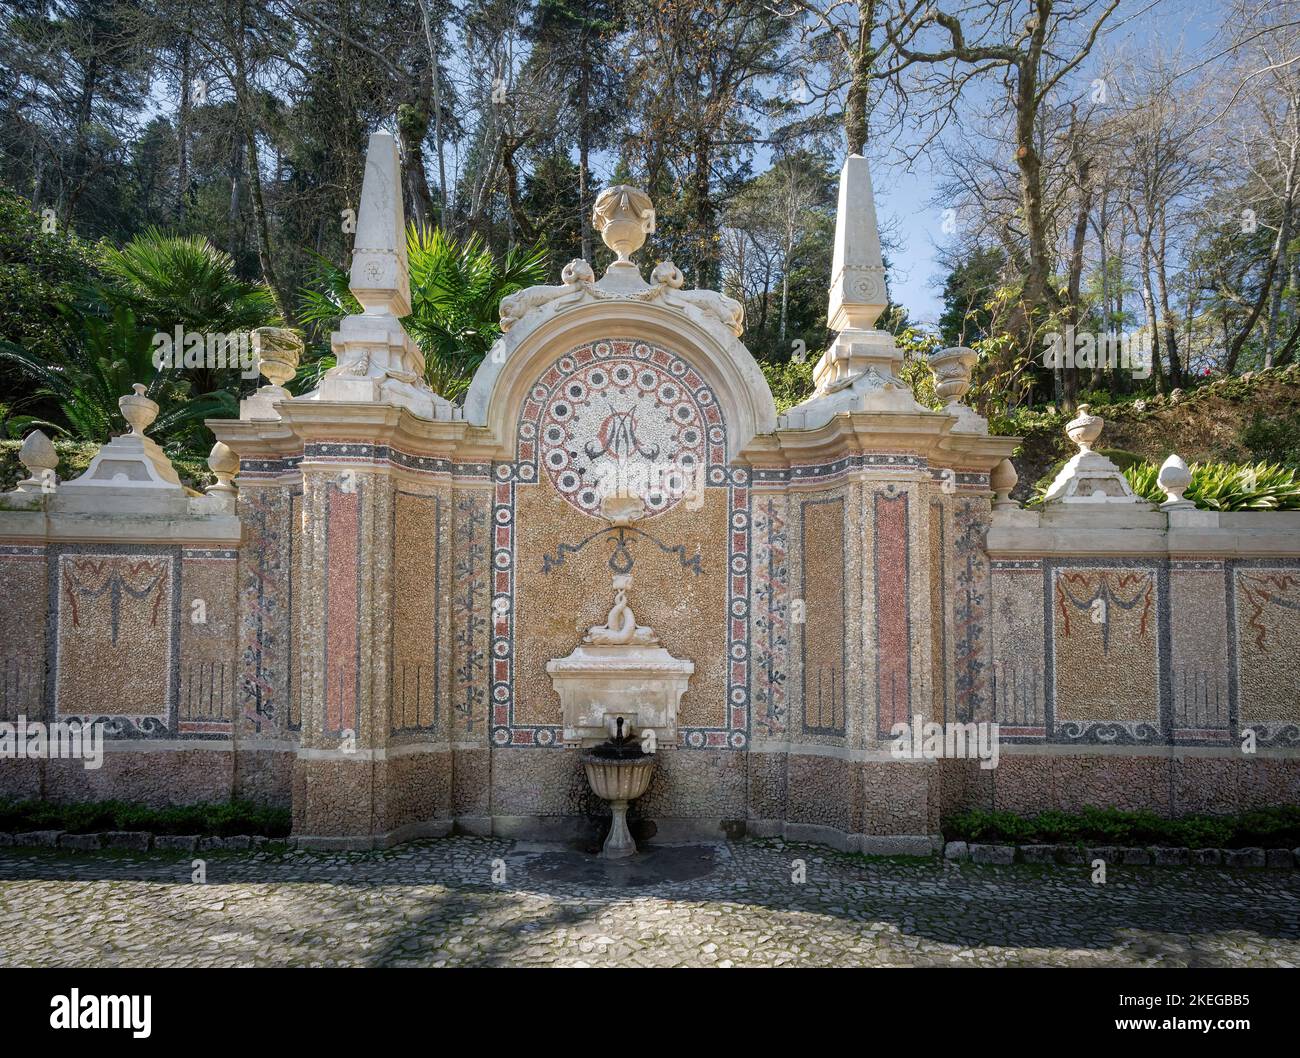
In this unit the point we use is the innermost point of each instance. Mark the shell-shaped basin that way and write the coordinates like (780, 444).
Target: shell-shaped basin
(618, 780)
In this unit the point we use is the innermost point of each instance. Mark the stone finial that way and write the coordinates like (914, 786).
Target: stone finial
(857, 293)
(1089, 477)
(952, 372)
(1003, 480)
(224, 463)
(859, 371)
(376, 361)
(380, 279)
(138, 410)
(1085, 428)
(1175, 478)
(39, 457)
(624, 216)
(131, 468)
(279, 351)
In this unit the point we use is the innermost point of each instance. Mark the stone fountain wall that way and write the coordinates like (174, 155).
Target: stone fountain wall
(398, 590)
(383, 596)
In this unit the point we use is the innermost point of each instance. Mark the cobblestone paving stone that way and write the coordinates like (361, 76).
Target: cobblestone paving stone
(434, 903)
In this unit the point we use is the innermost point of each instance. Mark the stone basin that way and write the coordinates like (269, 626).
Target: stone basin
(618, 781)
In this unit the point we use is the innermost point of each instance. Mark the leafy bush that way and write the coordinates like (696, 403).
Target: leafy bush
(168, 280)
(221, 819)
(1268, 827)
(105, 357)
(39, 270)
(791, 382)
(1214, 487)
(1226, 486)
(1273, 439)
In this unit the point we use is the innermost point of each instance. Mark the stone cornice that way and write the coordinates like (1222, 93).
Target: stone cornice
(928, 435)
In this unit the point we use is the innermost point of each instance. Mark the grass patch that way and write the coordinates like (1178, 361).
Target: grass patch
(223, 819)
(1267, 827)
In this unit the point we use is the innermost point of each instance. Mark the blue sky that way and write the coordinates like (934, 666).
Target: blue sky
(904, 199)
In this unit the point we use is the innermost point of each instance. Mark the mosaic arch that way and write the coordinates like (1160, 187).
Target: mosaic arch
(602, 403)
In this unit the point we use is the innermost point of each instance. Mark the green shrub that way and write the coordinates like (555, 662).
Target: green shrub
(791, 382)
(1273, 439)
(1214, 487)
(1268, 827)
(220, 819)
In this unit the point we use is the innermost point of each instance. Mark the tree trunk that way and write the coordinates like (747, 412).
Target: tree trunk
(1149, 305)
(263, 231)
(584, 153)
(412, 128)
(703, 210)
(1275, 299)
(1166, 317)
(183, 132)
(437, 111)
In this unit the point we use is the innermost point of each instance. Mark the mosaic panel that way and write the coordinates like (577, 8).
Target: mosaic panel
(970, 610)
(772, 618)
(940, 617)
(208, 676)
(1017, 680)
(267, 692)
(1105, 653)
(892, 576)
(22, 632)
(1198, 671)
(471, 614)
(342, 602)
(822, 644)
(417, 691)
(115, 614)
(1267, 611)
(610, 405)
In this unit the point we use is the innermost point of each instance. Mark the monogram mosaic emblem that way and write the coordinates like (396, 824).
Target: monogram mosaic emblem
(625, 414)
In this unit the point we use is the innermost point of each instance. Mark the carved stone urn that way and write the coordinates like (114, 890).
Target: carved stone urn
(952, 369)
(137, 409)
(1085, 428)
(619, 772)
(624, 216)
(952, 379)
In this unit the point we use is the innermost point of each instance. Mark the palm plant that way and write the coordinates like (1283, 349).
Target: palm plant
(455, 290)
(84, 380)
(176, 279)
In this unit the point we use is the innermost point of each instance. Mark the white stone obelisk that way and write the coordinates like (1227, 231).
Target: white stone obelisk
(859, 371)
(377, 361)
(857, 294)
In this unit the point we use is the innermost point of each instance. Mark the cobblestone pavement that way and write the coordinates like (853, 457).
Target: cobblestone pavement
(437, 903)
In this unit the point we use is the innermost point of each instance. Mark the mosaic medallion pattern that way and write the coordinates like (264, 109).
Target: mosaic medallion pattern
(622, 407)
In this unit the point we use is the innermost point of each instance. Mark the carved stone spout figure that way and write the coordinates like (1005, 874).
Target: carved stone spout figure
(620, 627)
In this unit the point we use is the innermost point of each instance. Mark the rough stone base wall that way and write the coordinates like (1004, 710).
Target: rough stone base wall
(1169, 784)
(155, 777)
(857, 805)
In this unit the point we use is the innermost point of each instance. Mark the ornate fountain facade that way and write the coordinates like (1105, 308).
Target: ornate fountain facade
(394, 605)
